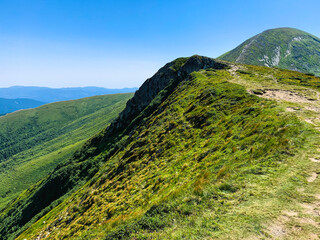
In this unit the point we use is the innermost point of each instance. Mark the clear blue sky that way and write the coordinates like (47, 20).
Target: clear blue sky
(116, 44)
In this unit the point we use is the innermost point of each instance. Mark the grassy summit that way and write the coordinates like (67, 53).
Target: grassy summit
(206, 158)
(286, 48)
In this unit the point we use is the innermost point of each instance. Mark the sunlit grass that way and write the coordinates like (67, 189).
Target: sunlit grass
(211, 161)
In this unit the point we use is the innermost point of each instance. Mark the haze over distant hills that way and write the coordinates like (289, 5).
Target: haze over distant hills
(11, 105)
(49, 95)
(286, 48)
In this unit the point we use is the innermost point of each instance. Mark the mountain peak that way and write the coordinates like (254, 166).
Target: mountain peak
(287, 48)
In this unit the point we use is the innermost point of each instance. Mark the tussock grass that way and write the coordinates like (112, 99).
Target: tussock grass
(212, 161)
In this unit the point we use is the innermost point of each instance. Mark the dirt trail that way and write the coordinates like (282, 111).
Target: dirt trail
(305, 103)
(245, 48)
(312, 177)
(233, 70)
(285, 95)
(317, 160)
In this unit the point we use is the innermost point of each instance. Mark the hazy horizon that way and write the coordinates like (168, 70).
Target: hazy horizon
(120, 44)
(13, 86)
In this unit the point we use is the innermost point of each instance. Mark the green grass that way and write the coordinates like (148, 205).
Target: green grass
(206, 163)
(33, 142)
(205, 160)
(304, 51)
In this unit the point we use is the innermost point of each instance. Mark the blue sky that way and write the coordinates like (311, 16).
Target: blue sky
(116, 44)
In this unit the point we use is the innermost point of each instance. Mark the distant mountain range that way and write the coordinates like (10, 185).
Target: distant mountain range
(49, 95)
(11, 105)
(286, 48)
(21, 97)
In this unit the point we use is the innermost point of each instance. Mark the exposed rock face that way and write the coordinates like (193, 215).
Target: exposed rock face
(152, 86)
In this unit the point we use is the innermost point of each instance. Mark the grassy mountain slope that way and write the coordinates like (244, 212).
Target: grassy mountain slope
(181, 161)
(285, 48)
(33, 142)
(50, 95)
(204, 158)
(72, 174)
(11, 105)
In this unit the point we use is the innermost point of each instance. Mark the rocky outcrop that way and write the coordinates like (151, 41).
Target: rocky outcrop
(152, 86)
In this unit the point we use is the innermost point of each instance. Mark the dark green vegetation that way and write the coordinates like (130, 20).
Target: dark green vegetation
(192, 156)
(285, 48)
(11, 105)
(49, 95)
(33, 142)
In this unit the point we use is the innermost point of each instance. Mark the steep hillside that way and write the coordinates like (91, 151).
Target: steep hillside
(49, 95)
(33, 142)
(285, 48)
(82, 166)
(194, 155)
(11, 105)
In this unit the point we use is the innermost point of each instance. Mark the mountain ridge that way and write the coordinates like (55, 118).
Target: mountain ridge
(158, 169)
(177, 160)
(81, 166)
(204, 149)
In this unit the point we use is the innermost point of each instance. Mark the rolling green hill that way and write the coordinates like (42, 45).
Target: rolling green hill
(11, 105)
(204, 150)
(33, 142)
(286, 48)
